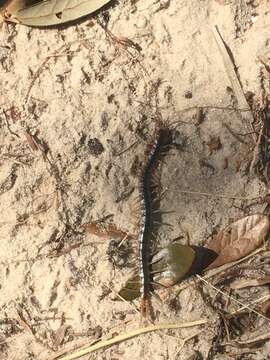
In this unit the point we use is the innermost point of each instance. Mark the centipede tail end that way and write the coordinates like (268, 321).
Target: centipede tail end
(145, 306)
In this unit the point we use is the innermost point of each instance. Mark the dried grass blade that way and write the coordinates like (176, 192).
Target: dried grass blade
(238, 91)
(104, 343)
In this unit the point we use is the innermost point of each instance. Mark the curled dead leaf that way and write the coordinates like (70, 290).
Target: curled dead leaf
(239, 239)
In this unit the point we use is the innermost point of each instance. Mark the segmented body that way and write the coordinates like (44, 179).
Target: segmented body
(147, 221)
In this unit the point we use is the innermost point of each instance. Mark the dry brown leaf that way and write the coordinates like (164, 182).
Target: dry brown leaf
(105, 231)
(239, 239)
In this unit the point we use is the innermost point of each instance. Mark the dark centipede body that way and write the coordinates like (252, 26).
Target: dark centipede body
(146, 231)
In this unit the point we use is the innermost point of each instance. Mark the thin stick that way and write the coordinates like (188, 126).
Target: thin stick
(263, 298)
(129, 335)
(128, 148)
(218, 195)
(232, 298)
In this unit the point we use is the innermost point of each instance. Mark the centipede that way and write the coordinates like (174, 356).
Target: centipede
(162, 138)
(158, 267)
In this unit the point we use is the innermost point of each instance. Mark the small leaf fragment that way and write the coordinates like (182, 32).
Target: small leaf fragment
(131, 289)
(106, 231)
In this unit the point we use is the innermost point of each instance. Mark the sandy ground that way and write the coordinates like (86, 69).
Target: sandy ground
(83, 93)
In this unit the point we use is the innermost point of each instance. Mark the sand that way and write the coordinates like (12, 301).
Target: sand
(72, 101)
